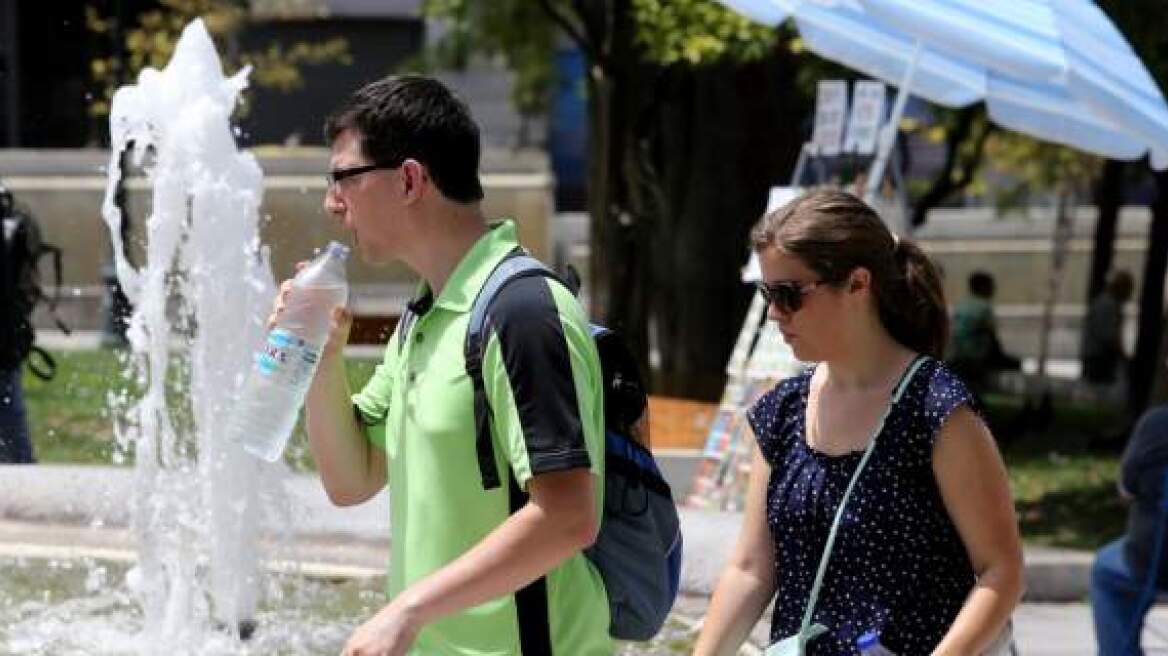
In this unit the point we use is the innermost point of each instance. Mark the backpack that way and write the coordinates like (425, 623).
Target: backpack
(21, 290)
(638, 548)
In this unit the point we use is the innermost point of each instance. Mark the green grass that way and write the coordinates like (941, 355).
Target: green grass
(1065, 496)
(69, 416)
(70, 419)
(1067, 501)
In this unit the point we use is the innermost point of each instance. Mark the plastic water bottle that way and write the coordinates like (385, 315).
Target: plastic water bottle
(869, 645)
(283, 369)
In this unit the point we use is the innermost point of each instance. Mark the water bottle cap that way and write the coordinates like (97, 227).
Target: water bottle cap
(868, 639)
(338, 250)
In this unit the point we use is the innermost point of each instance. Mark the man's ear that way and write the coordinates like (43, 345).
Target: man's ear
(413, 179)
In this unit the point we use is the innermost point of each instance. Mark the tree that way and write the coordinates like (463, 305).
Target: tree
(965, 132)
(1108, 199)
(521, 33)
(1040, 167)
(693, 113)
(1037, 167)
(1147, 368)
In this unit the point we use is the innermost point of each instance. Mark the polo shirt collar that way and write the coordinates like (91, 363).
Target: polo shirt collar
(468, 277)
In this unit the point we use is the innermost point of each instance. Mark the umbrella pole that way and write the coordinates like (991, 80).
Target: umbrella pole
(888, 133)
(1059, 244)
(800, 164)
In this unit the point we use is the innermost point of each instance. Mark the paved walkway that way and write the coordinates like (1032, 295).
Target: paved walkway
(69, 511)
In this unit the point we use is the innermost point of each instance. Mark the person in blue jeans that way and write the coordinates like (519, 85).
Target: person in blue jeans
(15, 446)
(1120, 576)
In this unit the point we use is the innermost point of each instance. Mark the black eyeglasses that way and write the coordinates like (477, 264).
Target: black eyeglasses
(336, 175)
(787, 295)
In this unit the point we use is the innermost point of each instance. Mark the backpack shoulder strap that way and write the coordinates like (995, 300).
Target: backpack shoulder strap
(30, 248)
(518, 264)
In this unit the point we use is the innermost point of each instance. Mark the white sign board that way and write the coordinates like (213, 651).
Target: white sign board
(831, 108)
(867, 114)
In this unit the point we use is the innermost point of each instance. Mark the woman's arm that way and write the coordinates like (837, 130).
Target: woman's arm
(748, 582)
(976, 492)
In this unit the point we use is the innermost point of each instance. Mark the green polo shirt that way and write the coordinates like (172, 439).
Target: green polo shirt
(542, 377)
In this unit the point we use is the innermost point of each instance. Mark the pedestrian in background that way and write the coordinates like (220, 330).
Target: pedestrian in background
(15, 445)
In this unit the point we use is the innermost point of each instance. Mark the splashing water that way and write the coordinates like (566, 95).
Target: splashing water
(200, 299)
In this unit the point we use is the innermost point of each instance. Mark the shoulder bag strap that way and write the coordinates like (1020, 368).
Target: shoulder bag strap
(905, 378)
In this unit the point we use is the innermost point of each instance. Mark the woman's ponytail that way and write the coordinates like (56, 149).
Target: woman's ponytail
(912, 304)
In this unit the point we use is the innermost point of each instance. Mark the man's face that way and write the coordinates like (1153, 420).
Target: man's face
(366, 203)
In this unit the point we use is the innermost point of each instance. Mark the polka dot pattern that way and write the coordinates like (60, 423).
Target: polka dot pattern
(898, 565)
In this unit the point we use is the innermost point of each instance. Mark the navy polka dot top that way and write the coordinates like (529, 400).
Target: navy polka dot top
(898, 566)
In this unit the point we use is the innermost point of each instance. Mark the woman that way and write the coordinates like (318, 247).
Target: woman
(927, 552)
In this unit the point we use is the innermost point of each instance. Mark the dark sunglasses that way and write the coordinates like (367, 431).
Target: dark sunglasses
(787, 295)
(336, 175)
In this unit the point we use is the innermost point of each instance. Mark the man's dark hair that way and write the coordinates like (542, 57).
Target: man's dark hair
(981, 284)
(413, 116)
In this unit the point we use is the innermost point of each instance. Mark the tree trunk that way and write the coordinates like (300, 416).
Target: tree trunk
(680, 163)
(723, 136)
(1059, 243)
(619, 263)
(1108, 198)
(1145, 362)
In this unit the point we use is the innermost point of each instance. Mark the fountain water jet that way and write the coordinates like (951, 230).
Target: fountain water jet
(200, 299)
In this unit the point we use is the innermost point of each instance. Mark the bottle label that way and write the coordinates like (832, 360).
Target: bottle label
(287, 358)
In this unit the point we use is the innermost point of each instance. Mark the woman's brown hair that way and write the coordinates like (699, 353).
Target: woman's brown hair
(834, 233)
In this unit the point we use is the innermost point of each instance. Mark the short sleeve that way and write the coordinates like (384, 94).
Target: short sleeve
(773, 417)
(372, 402)
(944, 393)
(542, 377)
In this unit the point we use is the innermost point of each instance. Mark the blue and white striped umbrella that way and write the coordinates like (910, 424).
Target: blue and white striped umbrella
(1064, 47)
(842, 32)
(1024, 58)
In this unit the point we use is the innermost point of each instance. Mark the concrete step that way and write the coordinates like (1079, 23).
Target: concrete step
(79, 506)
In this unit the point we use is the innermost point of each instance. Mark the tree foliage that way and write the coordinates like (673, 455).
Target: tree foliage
(150, 40)
(1034, 168)
(524, 35)
(519, 33)
(693, 114)
(696, 32)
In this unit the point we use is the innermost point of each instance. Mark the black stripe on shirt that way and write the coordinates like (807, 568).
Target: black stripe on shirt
(534, 349)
